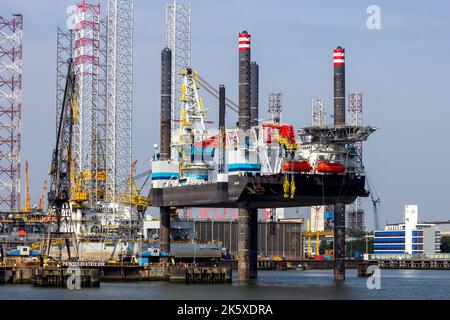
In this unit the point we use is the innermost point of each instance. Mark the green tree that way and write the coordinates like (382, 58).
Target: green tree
(323, 246)
(445, 245)
(358, 246)
(356, 233)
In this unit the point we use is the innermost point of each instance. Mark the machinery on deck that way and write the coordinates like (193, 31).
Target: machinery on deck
(190, 142)
(133, 195)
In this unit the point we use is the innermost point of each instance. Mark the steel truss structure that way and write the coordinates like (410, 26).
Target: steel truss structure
(86, 63)
(59, 212)
(193, 134)
(11, 41)
(178, 40)
(355, 109)
(355, 211)
(317, 112)
(119, 106)
(317, 106)
(64, 52)
(336, 135)
(102, 51)
(275, 106)
(193, 113)
(99, 130)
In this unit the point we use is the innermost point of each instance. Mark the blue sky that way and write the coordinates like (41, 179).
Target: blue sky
(403, 71)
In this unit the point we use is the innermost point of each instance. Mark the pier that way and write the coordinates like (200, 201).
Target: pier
(89, 277)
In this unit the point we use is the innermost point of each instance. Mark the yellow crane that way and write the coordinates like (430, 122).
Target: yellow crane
(27, 207)
(42, 198)
(316, 234)
(309, 233)
(133, 196)
(77, 193)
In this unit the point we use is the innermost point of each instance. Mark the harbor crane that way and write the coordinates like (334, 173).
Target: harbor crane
(60, 184)
(27, 207)
(59, 193)
(42, 198)
(375, 203)
(133, 195)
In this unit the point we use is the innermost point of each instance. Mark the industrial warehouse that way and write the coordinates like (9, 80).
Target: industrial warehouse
(219, 199)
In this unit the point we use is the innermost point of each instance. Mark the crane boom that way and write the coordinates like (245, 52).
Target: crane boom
(213, 91)
(133, 195)
(59, 193)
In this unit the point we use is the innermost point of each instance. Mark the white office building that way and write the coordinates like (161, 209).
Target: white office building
(409, 237)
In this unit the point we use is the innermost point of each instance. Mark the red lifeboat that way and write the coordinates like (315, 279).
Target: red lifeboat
(296, 166)
(329, 167)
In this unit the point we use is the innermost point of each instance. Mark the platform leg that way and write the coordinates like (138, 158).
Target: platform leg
(339, 242)
(164, 237)
(248, 244)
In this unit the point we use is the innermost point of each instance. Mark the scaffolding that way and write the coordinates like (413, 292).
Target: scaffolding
(355, 216)
(11, 40)
(317, 112)
(273, 160)
(317, 223)
(119, 110)
(355, 109)
(275, 106)
(355, 211)
(178, 40)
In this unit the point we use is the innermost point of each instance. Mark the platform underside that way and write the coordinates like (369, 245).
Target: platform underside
(264, 192)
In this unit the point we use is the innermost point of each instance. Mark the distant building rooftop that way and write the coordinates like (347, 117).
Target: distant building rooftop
(444, 226)
(438, 222)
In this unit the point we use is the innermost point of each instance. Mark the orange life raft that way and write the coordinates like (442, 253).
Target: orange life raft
(329, 167)
(296, 166)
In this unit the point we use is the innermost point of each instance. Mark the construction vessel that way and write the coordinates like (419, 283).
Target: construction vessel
(257, 163)
(319, 168)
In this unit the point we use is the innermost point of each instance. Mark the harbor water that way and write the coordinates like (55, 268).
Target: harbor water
(276, 285)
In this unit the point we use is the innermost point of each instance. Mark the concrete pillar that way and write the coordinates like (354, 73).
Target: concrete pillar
(339, 242)
(164, 237)
(247, 244)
